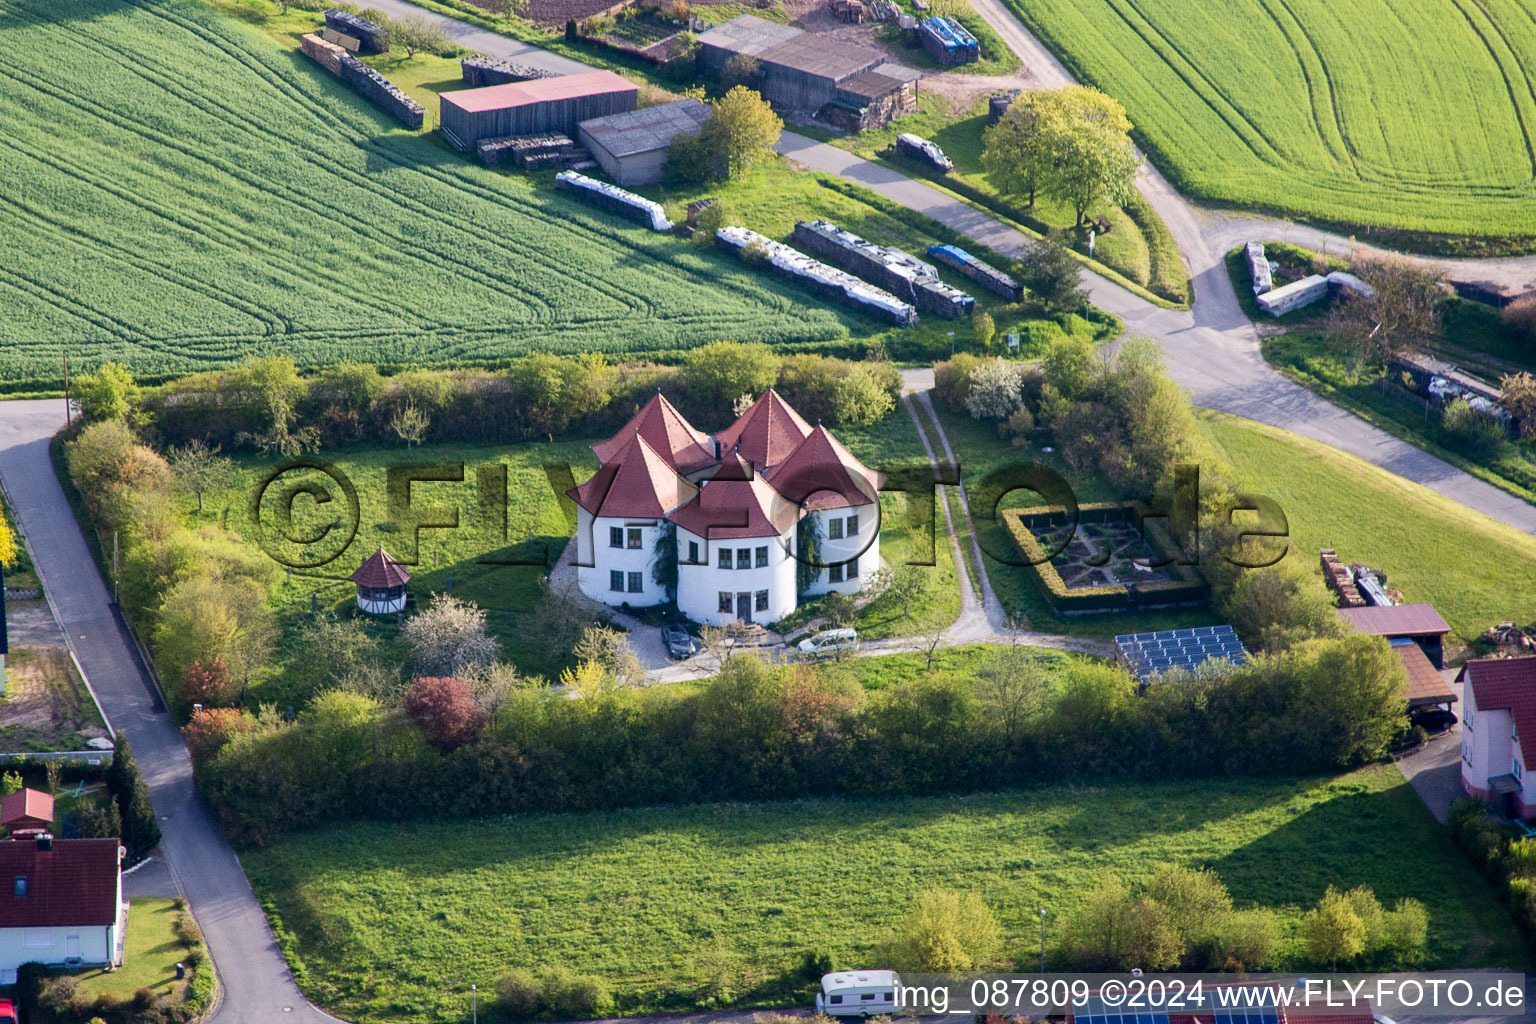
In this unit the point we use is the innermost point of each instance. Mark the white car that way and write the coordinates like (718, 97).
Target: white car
(828, 642)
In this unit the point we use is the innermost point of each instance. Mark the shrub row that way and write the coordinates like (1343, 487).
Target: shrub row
(1510, 864)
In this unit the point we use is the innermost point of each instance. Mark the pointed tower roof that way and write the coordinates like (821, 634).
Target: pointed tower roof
(664, 428)
(767, 432)
(381, 572)
(821, 473)
(737, 501)
(637, 482)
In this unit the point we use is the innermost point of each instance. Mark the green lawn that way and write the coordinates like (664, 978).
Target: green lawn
(149, 956)
(395, 921)
(1353, 113)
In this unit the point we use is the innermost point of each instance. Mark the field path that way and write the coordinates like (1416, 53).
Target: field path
(256, 984)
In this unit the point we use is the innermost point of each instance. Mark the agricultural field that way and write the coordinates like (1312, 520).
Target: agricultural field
(667, 904)
(1416, 117)
(196, 194)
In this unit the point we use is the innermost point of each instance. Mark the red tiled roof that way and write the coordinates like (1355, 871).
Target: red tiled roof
(664, 428)
(1507, 684)
(380, 572)
(736, 502)
(1396, 620)
(768, 432)
(517, 94)
(26, 806)
(636, 483)
(75, 883)
(1425, 683)
(821, 473)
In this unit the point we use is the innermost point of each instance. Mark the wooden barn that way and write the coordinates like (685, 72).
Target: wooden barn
(527, 108)
(632, 147)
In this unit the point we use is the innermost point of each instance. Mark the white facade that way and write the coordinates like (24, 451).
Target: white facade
(761, 576)
(850, 548)
(1490, 748)
(381, 602)
(57, 947)
(614, 557)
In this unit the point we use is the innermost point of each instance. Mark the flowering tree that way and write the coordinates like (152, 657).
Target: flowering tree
(450, 638)
(445, 709)
(995, 390)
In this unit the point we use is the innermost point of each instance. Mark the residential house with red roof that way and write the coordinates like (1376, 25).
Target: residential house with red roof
(61, 903)
(1498, 732)
(728, 508)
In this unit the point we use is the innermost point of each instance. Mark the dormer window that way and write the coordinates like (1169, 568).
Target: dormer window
(21, 886)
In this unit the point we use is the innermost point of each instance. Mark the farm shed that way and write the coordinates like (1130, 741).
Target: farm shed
(745, 35)
(803, 73)
(1426, 686)
(874, 98)
(1294, 296)
(962, 262)
(818, 277)
(1417, 622)
(947, 42)
(898, 272)
(372, 37)
(632, 147)
(526, 108)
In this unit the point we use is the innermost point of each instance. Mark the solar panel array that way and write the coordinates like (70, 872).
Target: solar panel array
(1093, 1011)
(1148, 654)
(1254, 1015)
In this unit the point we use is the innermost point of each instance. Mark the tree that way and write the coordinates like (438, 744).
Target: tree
(1517, 395)
(418, 32)
(1018, 152)
(1053, 274)
(207, 685)
(7, 543)
(908, 583)
(610, 649)
(449, 638)
(860, 397)
(204, 619)
(445, 709)
(141, 830)
(664, 559)
(208, 732)
(1275, 609)
(1402, 313)
(716, 374)
(1198, 907)
(277, 386)
(996, 390)
(1334, 930)
(1478, 434)
(927, 644)
(943, 933)
(99, 821)
(561, 615)
(985, 329)
(1095, 160)
(200, 469)
(107, 394)
(1114, 929)
(409, 424)
(741, 69)
(741, 131)
(341, 652)
(808, 547)
(1014, 686)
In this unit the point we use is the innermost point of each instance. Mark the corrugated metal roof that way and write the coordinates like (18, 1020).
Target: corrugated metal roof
(648, 129)
(821, 56)
(748, 34)
(1425, 683)
(881, 81)
(1396, 620)
(517, 94)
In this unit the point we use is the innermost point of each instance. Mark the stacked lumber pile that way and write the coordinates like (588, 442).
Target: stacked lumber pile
(482, 71)
(381, 92)
(531, 152)
(371, 36)
(327, 55)
(1340, 580)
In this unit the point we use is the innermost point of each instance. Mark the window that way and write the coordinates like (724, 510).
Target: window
(37, 938)
(867, 997)
(725, 558)
(890, 997)
(835, 999)
(761, 602)
(743, 558)
(834, 574)
(1516, 768)
(615, 537)
(762, 556)
(693, 551)
(727, 600)
(21, 885)
(834, 529)
(616, 580)
(853, 525)
(853, 568)
(636, 582)
(634, 537)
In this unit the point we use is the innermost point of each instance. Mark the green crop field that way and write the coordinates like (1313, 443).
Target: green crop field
(1415, 115)
(181, 192)
(393, 922)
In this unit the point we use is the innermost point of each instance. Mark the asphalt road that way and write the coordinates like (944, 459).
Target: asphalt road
(255, 979)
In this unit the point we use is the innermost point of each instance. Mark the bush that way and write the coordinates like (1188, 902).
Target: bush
(566, 995)
(518, 994)
(1481, 435)
(943, 933)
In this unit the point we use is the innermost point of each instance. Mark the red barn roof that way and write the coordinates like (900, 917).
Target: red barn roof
(664, 428)
(26, 807)
(821, 473)
(381, 572)
(1507, 684)
(767, 433)
(75, 883)
(636, 483)
(1425, 683)
(1396, 620)
(540, 90)
(736, 502)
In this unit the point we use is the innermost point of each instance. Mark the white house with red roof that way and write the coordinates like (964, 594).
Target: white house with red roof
(1498, 732)
(732, 505)
(62, 903)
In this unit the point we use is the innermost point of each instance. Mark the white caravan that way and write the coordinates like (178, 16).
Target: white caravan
(858, 993)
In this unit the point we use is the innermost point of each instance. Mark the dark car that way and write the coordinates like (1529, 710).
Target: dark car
(1433, 719)
(679, 643)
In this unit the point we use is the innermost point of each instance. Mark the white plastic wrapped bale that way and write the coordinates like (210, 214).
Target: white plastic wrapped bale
(1258, 268)
(919, 148)
(820, 278)
(1294, 295)
(615, 200)
(885, 266)
(1341, 280)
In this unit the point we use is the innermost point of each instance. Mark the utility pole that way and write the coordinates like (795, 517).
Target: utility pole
(114, 567)
(474, 1004)
(66, 391)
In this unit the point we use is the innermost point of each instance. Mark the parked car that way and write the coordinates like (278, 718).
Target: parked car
(858, 993)
(828, 642)
(7, 1012)
(680, 644)
(1433, 719)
